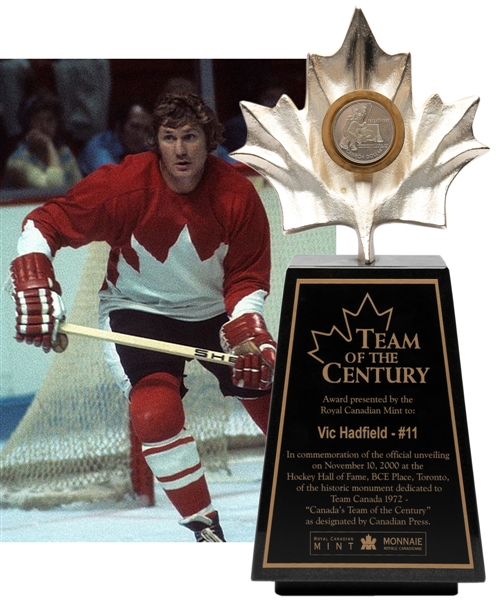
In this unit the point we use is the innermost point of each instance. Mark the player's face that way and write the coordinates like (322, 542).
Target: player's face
(183, 153)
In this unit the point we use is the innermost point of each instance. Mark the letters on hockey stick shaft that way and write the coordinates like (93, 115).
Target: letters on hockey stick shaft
(149, 344)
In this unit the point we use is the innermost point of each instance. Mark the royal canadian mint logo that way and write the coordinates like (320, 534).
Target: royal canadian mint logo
(368, 543)
(362, 348)
(377, 543)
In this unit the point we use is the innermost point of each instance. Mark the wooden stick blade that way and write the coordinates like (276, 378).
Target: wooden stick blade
(149, 344)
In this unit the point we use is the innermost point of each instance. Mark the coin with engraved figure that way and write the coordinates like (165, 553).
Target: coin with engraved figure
(363, 132)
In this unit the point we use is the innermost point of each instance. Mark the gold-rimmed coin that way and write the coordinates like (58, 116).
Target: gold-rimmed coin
(363, 131)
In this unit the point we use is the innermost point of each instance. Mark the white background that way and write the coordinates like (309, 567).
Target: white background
(454, 48)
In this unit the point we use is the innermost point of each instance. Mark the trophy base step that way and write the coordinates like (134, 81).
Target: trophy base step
(315, 588)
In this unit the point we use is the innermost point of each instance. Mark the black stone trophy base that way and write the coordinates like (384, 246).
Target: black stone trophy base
(367, 486)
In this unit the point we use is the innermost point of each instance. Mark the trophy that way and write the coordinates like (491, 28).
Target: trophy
(367, 485)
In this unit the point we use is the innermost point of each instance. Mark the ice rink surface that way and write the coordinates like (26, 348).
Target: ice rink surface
(236, 498)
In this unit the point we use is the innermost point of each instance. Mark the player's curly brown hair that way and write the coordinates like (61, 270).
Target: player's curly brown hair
(177, 110)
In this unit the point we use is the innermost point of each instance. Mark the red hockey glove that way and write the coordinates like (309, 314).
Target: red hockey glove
(248, 337)
(39, 306)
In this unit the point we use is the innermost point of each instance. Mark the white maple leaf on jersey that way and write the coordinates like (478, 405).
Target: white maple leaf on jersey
(183, 285)
(285, 145)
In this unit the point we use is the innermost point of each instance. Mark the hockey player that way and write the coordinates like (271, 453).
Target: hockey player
(189, 263)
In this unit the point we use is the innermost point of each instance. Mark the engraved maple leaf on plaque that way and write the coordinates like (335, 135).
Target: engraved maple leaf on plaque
(325, 342)
(286, 146)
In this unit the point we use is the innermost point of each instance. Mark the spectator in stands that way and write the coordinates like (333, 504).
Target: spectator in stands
(84, 89)
(42, 160)
(131, 134)
(16, 78)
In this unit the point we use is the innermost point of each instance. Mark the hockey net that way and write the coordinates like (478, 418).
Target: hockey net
(75, 445)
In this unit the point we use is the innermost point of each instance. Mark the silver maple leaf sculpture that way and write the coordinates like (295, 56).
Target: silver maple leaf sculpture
(286, 146)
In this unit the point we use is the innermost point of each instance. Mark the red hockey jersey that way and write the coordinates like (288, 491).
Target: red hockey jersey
(188, 256)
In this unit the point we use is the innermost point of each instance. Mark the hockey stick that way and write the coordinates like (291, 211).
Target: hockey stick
(149, 344)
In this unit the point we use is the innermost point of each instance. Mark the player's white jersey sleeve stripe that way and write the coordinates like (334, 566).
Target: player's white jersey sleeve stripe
(254, 302)
(32, 240)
